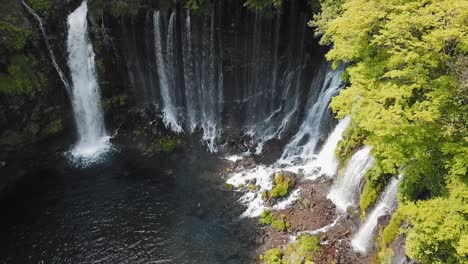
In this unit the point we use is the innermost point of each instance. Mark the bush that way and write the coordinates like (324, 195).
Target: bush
(273, 256)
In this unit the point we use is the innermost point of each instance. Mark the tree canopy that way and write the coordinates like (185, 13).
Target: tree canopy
(408, 95)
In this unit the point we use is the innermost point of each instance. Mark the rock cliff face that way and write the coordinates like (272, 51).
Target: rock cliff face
(33, 101)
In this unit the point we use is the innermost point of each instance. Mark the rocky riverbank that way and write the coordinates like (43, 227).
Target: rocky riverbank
(311, 213)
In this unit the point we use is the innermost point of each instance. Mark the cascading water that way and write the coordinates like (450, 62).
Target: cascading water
(387, 204)
(302, 146)
(49, 48)
(85, 96)
(326, 159)
(346, 189)
(326, 163)
(202, 74)
(165, 63)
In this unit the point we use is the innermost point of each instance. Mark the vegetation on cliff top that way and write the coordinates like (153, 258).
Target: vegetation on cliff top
(408, 97)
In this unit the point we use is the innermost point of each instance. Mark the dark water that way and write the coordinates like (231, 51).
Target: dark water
(126, 210)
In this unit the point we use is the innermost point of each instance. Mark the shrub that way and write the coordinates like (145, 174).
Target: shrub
(273, 256)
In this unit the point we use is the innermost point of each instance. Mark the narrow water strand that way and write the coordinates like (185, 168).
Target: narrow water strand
(60, 73)
(164, 61)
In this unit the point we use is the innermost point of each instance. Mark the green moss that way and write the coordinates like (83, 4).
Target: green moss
(280, 224)
(303, 246)
(265, 195)
(116, 101)
(368, 197)
(11, 138)
(281, 186)
(53, 128)
(252, 187)
(353, 139)
(22, 76)
(260, 5)
(168, 144)
(228, 187)
(100, 67)
(273, 256)
(301, 251)
(14, 37)
(266, 217)
(393, 228)
(40, 5)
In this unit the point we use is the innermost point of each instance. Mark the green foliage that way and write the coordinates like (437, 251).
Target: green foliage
(22, 76)
(273, 256)
(40, 5)
(330, 9)
(281, 186)
(353, 139)
(200, 6)
(439, 227)
(401, 85)
(260, 5)
(407, 68)
(13, 37)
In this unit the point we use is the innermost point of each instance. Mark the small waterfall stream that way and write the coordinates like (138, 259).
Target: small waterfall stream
(165, 63)
(363, 238)
(303, 145)
(326, 158)
(346, 189)
(49, 48)
(86, 98)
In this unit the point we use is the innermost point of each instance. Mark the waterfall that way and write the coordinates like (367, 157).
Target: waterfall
(166, 69)
(85, 96)
(49, 48)
(346, 189)
(190, 92)
(326, 159)
(302, 145)
(387, 204)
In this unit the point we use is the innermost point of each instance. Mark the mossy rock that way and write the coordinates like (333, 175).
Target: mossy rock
(280, 224)
(252, 187)
(53, 128)
(283, 183)
(228, 187)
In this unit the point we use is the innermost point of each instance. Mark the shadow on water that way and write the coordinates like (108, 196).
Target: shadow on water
(129, 209)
